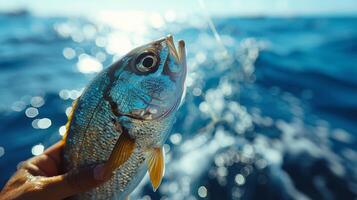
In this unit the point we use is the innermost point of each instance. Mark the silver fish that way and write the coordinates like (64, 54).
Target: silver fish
(124, 117)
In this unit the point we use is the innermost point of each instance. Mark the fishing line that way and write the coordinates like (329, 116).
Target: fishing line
(213, 27)
(225, 55)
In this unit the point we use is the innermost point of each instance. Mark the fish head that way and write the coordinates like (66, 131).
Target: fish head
(150, 82)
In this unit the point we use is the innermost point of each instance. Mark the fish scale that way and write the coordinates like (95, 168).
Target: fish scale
(117, 108)
(93, 152)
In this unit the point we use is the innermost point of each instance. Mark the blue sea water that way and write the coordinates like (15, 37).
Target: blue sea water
(270, 110)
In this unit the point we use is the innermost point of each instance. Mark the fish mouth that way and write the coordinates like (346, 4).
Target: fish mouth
(179, 55)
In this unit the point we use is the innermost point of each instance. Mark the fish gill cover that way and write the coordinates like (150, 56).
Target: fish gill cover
(269, 113)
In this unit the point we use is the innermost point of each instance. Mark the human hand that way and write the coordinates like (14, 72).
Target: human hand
(41, 177)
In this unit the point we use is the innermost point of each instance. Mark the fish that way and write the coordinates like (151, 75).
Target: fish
(124, 116)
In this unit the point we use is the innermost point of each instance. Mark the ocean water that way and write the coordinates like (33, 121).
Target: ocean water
(270, 110)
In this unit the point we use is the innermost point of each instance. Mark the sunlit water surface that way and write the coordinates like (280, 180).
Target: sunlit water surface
(270, 112)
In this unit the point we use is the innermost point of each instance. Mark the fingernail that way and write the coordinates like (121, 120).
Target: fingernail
(98, 172)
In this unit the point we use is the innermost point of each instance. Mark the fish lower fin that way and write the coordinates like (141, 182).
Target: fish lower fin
(120, 153)
(70, 117)
(156, 166)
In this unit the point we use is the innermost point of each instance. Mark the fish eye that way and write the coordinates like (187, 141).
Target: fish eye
(146, 62)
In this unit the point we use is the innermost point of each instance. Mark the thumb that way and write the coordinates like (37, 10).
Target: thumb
(76, 181)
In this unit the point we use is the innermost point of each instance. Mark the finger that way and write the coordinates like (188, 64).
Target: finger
(50, 161)
(76, 181)
(32, 169)
(46, 164)
(55, 151)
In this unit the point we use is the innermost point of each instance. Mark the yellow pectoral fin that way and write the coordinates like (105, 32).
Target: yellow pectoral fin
(70, 117)
(120, 153)
(156, 166)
